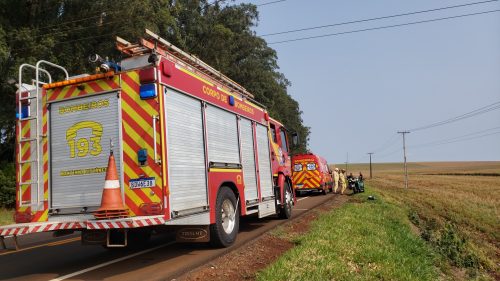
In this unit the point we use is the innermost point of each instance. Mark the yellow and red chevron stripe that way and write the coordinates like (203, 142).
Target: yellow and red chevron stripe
(308, 179)
(137, 126)
(88, 88)
(25, 169)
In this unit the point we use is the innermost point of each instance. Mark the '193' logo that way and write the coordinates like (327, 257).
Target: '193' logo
(84, 146)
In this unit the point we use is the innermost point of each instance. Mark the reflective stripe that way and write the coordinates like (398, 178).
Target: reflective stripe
(110, 184)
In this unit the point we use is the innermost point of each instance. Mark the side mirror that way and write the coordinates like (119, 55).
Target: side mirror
(295, 139)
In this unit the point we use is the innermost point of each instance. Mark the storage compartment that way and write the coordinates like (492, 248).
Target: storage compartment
(80, 134)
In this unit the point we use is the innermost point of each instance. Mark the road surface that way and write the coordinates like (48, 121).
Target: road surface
(43, 257)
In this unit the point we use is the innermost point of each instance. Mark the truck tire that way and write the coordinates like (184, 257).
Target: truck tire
(227, 219)
(285, 210)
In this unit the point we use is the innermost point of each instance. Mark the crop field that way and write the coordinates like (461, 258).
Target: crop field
(453, 206)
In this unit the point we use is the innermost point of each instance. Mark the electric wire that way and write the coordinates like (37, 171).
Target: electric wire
(274, 2)
(78, 28)
(389, 143)
(71, 41)
(383, 27)
(77, 20)
(482, 110)
(485, 132)
(378, 18)
(389, 153)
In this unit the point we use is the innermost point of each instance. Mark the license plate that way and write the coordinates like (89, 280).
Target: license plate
(142, 183)
(299, 185)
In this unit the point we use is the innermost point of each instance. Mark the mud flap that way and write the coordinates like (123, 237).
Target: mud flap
(267, 208)
(193, 234)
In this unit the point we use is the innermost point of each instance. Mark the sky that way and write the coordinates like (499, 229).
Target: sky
(357, 90)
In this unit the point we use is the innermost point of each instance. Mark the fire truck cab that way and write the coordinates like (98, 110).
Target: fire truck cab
(193, 150)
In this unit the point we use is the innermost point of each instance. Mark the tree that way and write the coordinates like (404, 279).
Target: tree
(67, 31)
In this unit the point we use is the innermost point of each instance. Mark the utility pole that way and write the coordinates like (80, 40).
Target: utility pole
(404, 155)
(347, 161)
(370, 153)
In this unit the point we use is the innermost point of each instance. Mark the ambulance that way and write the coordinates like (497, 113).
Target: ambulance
(311, 173)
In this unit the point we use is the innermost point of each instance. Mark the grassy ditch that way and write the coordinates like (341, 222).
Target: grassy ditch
(363, 240)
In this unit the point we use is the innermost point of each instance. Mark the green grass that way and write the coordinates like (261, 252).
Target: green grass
(6, 216)
(363, 240)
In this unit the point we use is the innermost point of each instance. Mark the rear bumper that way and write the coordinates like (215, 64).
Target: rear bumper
(27, 228)
(320, 188)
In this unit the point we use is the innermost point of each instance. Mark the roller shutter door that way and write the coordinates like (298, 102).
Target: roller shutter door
(248, 159)
(265, 173)
(185, 152)
(222, 136)
(80, 130)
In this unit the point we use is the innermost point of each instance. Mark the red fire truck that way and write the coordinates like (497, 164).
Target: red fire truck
(193, 150)
(311, 173)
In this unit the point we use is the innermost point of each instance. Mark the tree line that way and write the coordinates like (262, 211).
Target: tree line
(66, 32)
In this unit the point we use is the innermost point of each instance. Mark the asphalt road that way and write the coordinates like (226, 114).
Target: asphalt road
(43, 257)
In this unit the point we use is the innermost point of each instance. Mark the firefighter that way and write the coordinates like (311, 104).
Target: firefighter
(336, 178)
(343, 182)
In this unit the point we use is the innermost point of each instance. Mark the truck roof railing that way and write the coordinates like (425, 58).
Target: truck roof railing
(153, 42)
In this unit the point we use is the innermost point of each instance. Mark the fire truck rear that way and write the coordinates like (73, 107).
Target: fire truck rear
(193, 150)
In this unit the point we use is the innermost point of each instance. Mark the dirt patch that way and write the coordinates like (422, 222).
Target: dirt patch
(244, 262)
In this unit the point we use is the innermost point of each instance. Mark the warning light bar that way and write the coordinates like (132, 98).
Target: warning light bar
(79, 80)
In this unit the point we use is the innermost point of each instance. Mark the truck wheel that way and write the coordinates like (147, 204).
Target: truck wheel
(227, 219)
(285, 210)
(323, 192)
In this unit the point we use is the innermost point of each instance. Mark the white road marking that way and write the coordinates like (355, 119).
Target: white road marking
(111, 262)
(302, 198)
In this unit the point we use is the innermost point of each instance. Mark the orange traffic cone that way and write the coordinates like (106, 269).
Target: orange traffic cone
(111, 202)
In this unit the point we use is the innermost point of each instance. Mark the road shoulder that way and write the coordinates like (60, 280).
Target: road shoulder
(244, 262)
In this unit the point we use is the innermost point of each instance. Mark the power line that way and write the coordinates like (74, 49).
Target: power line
(78, 28)
(378, 18)
(482, 110)
(484, 132)
(390, 153)
(74, 21)
(471, 138)
(277, 1)
(389, 143)
(383, 27)
(71, 41)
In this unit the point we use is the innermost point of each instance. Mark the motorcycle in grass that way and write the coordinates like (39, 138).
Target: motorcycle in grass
(355, 185)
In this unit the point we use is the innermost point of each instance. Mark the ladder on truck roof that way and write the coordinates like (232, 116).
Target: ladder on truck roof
(29, 97)
(154, 42)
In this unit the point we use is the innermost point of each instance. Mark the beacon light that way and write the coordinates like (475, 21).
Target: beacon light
(148, 91)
